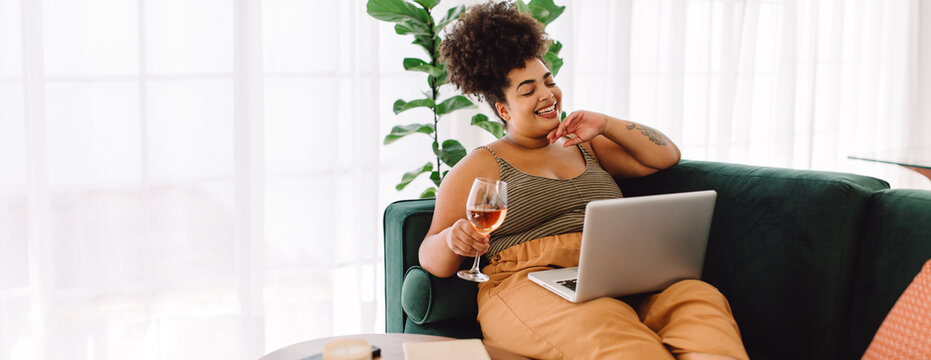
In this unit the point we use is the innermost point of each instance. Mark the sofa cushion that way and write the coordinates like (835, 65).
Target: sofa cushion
(781, 249)
(421, 291)
(896, 241)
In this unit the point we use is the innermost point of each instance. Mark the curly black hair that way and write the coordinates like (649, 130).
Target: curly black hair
(486, 43)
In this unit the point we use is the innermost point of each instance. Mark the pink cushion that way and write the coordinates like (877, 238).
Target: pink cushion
(906, 331)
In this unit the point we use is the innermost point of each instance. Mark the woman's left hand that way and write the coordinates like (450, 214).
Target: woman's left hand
(585, 125)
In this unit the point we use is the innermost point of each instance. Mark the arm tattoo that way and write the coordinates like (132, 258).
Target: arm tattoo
(655, 136)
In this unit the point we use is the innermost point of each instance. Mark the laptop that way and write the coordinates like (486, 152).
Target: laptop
(636, 245)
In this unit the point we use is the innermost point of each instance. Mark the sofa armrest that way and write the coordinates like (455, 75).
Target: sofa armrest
(406, 223)
(428, 299)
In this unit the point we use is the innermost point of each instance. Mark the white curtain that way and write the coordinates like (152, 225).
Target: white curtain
(189, 179)
(205, 179)
(787, 83)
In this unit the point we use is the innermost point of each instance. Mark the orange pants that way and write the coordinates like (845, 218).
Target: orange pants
(523, 317)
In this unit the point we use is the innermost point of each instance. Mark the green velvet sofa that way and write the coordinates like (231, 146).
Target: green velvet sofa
(810, 261)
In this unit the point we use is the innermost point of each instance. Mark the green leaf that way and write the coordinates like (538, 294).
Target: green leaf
(427, 43)
(493, 127)
(409, 27)
(554, 62)
(402, 106)
(429, 193)
(451, 15)
(452, 104)
(398, 132)
(445, 77)
(452, 152)
(522, 6)
(555, 47)
(427, 4)
(437, 82)
(436, 148)
(562, 116)
(548, 10)
(396, 11)
(539, 13)
(410, 176)
(421, 15)
(414, 64)
(403, 29)
(387, 10)
(435, 176)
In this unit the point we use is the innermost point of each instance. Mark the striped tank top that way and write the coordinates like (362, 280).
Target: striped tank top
(540, 206)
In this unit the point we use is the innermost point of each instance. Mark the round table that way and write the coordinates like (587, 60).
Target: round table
(390, 344)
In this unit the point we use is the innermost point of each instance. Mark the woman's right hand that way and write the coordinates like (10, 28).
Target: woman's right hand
(464, 240)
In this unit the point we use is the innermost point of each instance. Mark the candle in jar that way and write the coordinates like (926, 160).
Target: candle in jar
(347, 349)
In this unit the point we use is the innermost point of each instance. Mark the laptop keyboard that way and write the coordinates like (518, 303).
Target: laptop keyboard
(570, 283)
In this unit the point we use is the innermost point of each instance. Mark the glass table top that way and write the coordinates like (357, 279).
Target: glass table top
(917, 157)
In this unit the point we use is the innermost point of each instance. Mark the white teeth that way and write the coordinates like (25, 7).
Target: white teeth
(547, 110)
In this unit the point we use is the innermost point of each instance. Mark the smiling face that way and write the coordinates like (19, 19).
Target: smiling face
(533, 101)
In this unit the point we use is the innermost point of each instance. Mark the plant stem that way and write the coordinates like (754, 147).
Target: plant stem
(436, 132)
(435, 91)
(437, 140)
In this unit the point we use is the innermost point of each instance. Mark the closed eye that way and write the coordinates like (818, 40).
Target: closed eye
(549, 85)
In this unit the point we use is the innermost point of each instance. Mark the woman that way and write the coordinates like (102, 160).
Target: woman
(553, 169)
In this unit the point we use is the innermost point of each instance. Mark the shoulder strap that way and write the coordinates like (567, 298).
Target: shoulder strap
(589, 158)
(490, 150)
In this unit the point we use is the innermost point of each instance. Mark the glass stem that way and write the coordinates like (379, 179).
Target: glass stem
(475, 263)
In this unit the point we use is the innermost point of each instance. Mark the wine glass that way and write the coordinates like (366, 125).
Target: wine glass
(485, 209)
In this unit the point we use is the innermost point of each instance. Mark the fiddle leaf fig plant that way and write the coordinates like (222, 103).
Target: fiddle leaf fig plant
(416, 18)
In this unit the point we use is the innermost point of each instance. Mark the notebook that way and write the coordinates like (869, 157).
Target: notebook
(468, 349)
(636, 245)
